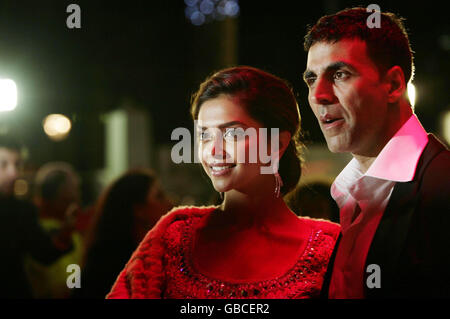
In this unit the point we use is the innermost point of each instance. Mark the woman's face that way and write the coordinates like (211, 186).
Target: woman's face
(220, 133)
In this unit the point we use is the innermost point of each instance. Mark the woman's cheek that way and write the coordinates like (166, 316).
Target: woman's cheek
(202, 155)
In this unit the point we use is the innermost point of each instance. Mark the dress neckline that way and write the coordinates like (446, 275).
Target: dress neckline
(189, 236)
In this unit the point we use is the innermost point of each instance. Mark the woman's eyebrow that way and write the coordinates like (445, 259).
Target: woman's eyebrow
(225, 125)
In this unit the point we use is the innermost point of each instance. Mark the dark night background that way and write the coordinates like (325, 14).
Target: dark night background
(148, 52)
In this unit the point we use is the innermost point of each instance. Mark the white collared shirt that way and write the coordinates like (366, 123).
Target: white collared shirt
(362, 199)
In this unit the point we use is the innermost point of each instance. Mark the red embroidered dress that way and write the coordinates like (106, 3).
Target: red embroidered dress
(161, 267)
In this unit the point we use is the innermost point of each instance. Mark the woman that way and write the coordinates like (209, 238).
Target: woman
(252, 245)
(126, 211)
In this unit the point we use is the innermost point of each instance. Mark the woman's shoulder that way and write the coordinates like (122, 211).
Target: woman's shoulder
(144, 271)
(182, 213)
(179, 215)
(325, 226)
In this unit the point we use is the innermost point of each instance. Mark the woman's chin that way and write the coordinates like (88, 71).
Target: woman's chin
(221, 189)
(222, 186)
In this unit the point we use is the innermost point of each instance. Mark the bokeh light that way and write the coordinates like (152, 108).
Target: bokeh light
(8, 95)
(57, 126)
(412, 94)
(20, 187)
(446, 126)
(203, 11)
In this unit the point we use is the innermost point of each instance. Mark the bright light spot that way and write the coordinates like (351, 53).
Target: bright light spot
(207, 7)
(231, 8)
(412, 94)
(190, 3)
(189, 11)
(57, 126)
(205, 11)
(8, 95)
(197, 18)
(446, 126)
(20, 187)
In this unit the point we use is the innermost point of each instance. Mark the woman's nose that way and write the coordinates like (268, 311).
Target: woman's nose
(217, 148)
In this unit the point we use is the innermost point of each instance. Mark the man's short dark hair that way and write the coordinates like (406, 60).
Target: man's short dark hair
(10, 142)
(387, 46)
(51, 177)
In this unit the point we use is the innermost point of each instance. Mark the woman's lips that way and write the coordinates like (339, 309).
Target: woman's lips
(220, 170)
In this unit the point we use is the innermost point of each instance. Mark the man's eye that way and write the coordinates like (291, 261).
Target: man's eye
(341, 75)
(310, 81)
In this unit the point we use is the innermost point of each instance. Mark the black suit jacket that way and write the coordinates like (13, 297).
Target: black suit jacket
(412, 244)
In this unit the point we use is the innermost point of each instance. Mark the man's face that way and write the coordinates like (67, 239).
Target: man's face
(9, 169)
(347, 97)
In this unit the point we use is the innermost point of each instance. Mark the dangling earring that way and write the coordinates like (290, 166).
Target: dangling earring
(278, 182)
(221, 195)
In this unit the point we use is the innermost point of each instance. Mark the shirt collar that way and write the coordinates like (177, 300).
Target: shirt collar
(398, 159)
(396, 162)
(341, 186)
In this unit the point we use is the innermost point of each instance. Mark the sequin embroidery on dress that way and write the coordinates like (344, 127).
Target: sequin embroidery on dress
(182, 281)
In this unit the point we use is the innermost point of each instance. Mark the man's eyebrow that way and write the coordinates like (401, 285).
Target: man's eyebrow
(226, 124)
(338, 65)
(330, 68)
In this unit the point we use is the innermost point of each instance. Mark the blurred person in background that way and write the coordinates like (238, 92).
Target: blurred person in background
(314, 200)
(57, 195)
(125, 212)
(251, 245)
(20, 231)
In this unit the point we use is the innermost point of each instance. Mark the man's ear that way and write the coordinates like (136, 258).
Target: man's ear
(395, 79)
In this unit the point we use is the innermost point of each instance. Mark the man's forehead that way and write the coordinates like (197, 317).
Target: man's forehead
(350, 51)
(7, 153)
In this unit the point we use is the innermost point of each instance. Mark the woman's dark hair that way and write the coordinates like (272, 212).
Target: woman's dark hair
(267, 99)
(114, 217)
(110, 240)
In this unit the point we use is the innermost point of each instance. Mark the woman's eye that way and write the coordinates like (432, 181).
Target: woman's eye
(203, 136)
(233, 133)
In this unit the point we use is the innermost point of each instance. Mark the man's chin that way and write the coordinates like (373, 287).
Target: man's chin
(336, 148)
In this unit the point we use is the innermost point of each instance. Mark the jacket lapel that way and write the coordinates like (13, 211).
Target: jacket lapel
(389, 240)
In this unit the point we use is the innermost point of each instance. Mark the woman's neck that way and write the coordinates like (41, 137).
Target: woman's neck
(243, 210)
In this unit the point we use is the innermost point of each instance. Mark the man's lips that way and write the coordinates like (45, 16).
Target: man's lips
(329, 121)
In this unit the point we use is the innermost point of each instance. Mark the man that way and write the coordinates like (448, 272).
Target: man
(394, 194)
(20, 233)
(57, 195)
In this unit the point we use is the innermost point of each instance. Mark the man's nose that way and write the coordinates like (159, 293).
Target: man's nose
(13, 171)
(323, 92)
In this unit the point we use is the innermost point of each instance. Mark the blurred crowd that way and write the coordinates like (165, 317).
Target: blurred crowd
(51, 229)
